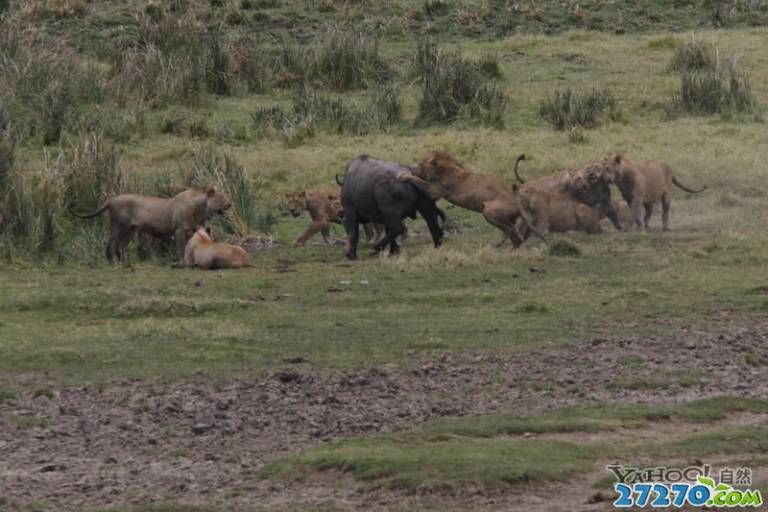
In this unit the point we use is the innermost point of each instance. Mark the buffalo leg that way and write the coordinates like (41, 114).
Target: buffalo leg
(395, 228)
(429, 212)
(353, 234)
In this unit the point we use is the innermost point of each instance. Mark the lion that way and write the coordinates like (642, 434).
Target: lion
(555, 212)
(439, 175)
(178, 216)
(324, 207)
(641, 185)
(205, 253)
(579, 208)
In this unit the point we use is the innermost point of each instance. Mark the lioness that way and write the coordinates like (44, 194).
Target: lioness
(178, 216)
(324, 207)
(439, 175)
(555, 212)
(641, 185)
(203, 252)
(579, 208)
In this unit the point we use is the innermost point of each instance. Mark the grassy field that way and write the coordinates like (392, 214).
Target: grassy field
(67, 319)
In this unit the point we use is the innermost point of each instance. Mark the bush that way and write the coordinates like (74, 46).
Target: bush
(43, 83)
(453, 86)
(349, 60)
(310, 109)
(696, 55)
(714, 91)
(213, 168)
(586, 108)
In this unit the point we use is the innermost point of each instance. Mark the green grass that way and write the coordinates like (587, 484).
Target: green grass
(79, 324)
(479, 451)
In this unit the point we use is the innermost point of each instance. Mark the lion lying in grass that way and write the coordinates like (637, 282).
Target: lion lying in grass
(323, 205)
(178, 216)
(641, 185)
(205, 253)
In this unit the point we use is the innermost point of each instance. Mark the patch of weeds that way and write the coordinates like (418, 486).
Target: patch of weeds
(637, 385)
(695, 55)
(7, 394)
(199, 129)
(532, 307)
(141, 409)
(453, 86)
(718, 90)
(586, 108)
(753, 359)
(563, 248)
(46, 392)
(25, 422)
(632, 361)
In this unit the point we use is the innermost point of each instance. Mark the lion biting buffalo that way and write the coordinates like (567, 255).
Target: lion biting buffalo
(372, 192)
(382, 193)
(440, 175)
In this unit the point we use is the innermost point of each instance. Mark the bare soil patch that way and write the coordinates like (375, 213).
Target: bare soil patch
(202, 442)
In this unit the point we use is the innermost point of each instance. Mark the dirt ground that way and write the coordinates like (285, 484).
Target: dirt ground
(203, 441)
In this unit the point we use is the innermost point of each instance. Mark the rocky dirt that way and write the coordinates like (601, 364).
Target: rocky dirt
(203, 441)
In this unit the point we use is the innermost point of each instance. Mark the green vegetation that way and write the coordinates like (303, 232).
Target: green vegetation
(259, 97)
(471, 451)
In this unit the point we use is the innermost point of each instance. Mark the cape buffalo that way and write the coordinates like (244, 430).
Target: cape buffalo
(371, 192)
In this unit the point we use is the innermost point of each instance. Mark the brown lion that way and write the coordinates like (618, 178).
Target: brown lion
(178, 216)
(439, 175)
(324, 207)
(205, 253)
(641, 185)
(578, 208)
(555, 212)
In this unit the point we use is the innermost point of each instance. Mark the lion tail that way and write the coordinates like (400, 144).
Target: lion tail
(71, 208)
(517, 162)
(687, 189)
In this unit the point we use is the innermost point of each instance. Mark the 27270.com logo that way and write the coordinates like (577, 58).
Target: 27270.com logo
(705, 492)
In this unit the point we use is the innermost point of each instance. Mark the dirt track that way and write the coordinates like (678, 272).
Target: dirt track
(200, 442)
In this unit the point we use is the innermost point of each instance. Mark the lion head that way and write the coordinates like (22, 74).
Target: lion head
(438, 166)
(296, 202)
(216, 202)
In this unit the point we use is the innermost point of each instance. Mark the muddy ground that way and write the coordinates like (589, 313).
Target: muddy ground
(203, 441)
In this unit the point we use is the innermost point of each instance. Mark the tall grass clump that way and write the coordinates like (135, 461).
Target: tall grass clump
(453, 86)
(720, 87)
(82, 175)
(341, 60)
(311, 109)
(695, 55)
(43, 82)
(350, 60)
(218, 169)
(569, 108)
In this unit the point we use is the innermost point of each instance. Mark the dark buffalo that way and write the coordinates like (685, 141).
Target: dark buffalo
(371, 192)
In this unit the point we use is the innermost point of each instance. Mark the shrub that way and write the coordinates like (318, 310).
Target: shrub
(714, 91)
(218, 169)
(44, 82)
(453, 86)
(693, 56)
(568, 108)
(563, 248)
(349, 60)
(310, 109)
